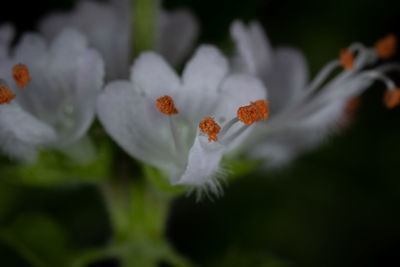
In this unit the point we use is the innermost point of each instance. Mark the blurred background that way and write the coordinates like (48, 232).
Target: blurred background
(337, 205)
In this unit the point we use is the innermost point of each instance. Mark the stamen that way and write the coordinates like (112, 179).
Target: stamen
(347, 59)
(386, 47)
(6, 95)
(166, 105)
(380, 77)
(211, 128)
(254, 112)
(21, 75)
(322, 75)
(391, 99)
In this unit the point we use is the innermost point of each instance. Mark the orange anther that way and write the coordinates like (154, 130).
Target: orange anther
(166, 105)
(254, 112)
(391, 98)
(6, 95)
(386, 47)
(211, 128)
(263, 109)
(347, 59)
(21, 75)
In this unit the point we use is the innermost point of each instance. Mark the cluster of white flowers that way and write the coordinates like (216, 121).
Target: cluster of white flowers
(52, 87)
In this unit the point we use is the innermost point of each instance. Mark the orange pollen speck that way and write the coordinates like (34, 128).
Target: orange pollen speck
(211, 128)
(6, 95)
(347, 59)
(21, 75)
(391, 99)
(254, 112)
(166, 105)
(386, 47)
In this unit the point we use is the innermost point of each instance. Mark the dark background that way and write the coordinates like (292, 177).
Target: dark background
(337, 205)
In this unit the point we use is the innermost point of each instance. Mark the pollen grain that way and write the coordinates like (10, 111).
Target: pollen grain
(21, 75)
(6, 95)
(211, 128)
(254, 112)
(347, 59)
(386, 47)
(166, 105)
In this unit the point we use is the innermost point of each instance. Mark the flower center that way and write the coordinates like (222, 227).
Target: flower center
(6, 95)
(347, 59)
(392, 98)
(21, 75)
(211, 128)
(386, 47)
(254, 112)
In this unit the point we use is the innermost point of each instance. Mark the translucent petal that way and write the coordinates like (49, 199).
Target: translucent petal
(65, 80)
(202, 77)
(135, 124)
(21, 133)
(153, 77)
(238, 90)
(7, 33)
(177, 31)
(107, 27)
(288, 78)
(203, 163)
(255, 53)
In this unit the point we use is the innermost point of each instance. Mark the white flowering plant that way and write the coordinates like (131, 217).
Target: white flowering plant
(120, 96)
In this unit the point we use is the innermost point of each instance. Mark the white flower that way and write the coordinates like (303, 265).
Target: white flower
(132, 113)
(303, 115)
(57, 104)
(108, 27)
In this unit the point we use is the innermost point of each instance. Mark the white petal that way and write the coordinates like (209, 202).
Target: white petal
(89, 82)
(107, 27)
(253, 48)
(21, 133)
(135, 124)
(176, 33)
(70, 43)
(238, 90)
(275, 153)
(7, 33)
(203, 164)
(288, 78)
(300, 134)
(153, 77)
(202, 77)
(31, 48)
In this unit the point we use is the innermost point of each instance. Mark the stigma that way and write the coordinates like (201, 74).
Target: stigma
(6, 95)
(21, 75)
(210, 128)
(166, 105)
(347, 59)
(254, 112)
(386, 47)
